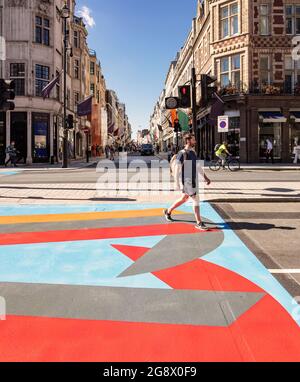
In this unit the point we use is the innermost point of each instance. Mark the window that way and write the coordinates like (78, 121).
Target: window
(265, 70)
(93, 89)
(17, 73)
(76, 69)
(292, 16)
(225, 79)
(231, 71)
(264, 20)
(42, 30)
(92, 68)
(229, 20)
(292, 75)
(76, 39)
(98, 96)
(76, 100)
(41, 78)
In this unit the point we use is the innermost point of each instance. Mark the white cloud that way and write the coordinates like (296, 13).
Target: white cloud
(88, 19)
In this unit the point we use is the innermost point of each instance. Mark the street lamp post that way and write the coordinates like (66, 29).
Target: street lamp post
(65, 14)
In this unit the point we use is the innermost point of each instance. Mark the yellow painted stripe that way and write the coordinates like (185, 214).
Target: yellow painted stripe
(23, 219)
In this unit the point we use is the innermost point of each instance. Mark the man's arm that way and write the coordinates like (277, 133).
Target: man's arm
(202, 173)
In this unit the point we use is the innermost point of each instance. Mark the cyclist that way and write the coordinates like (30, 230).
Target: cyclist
(222, 152)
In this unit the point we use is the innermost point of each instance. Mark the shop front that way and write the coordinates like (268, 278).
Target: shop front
(294, 131)
(18, 133)
(271, 124)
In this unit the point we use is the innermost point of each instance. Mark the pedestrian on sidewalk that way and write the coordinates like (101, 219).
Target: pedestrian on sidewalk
(188, 162)
(297, 153)
(270, 151)
(12, 152)
(97, 151)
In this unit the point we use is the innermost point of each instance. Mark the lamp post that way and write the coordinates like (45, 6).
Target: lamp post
(65, 14)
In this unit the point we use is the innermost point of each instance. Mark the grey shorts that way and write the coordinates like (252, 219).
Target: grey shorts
(188, 188)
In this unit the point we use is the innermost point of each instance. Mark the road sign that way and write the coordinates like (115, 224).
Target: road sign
(172, 103)
(223, 124)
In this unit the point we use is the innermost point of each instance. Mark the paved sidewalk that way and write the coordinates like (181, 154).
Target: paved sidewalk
(91, 192)
(254, 166)
(73, 164)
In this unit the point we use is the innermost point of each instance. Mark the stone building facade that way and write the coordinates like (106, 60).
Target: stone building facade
(33, 33)
(248, 46)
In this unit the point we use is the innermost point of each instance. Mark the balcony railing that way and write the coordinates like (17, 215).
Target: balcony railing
(255, 88)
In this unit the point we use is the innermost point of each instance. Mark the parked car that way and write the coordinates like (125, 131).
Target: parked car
(147, 150)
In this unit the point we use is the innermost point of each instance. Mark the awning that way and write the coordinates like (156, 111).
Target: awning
(295, 115)
(272, 117)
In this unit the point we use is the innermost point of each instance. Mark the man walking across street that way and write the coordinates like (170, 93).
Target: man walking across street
(187, 160)
(13, 154)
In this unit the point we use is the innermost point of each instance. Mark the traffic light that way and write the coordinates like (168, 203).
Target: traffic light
(7, 94)
(207, 91)
(70, 121)
(185, 96)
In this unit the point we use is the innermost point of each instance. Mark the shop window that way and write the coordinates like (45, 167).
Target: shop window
(40, 135)
(271, 131)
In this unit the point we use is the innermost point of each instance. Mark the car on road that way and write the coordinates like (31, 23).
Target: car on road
(147, 149)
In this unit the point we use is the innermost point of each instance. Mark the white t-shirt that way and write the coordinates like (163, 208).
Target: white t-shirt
(269, 145)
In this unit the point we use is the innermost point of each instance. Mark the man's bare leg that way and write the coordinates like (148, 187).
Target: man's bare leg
(179, 203)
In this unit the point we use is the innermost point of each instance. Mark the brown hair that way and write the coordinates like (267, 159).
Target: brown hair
(187, 138)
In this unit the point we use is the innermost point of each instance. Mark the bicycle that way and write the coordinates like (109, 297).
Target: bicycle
(233, 164)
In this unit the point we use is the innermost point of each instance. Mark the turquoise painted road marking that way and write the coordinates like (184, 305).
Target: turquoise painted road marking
(8, 173)
(90, 263)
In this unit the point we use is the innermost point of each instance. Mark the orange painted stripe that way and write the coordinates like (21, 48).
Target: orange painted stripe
(84, 216)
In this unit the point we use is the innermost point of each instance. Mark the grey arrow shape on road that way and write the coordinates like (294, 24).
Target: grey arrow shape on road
(156, 306)
(176, 250)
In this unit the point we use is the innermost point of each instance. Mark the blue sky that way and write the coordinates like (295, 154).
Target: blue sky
(135, 41)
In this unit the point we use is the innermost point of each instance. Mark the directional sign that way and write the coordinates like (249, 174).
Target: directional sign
(223, 124)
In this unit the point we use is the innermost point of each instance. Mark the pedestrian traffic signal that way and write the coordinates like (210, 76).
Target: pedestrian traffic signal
(70, 121)
(185, 96)
(207, 91)
(7, 94)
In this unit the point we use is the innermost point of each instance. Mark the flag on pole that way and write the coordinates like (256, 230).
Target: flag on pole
(48, 88)
(85, 107)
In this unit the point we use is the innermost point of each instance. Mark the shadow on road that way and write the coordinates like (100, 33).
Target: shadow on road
(236, 226)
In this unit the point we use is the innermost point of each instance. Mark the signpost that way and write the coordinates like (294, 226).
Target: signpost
(223, 124)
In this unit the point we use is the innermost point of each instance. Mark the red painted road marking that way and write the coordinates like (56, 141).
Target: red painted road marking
(268, 330)
(97, 234)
